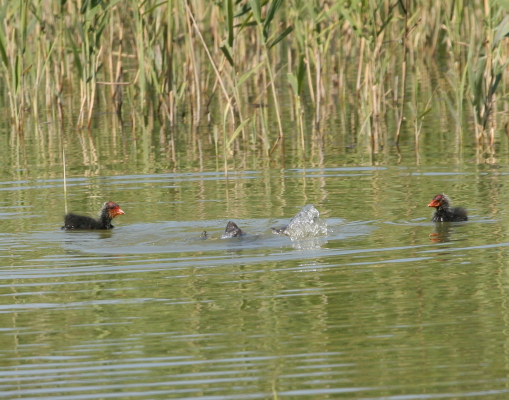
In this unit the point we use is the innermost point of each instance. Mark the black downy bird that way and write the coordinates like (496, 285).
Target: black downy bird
(109, 211)
(232, 230)
(444, 212)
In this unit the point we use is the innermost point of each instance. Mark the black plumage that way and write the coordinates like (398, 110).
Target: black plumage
(232, 230)
(109, 211)
(444, 212)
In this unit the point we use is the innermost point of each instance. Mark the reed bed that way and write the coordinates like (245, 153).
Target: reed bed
(228, 66)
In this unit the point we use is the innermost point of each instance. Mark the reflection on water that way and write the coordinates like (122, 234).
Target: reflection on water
(376, 308)
(442, 232)
(309, 243)
(445, 231)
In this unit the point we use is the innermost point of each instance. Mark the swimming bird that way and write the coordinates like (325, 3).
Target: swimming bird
(232, 230)
(444, 212)
(109, 211)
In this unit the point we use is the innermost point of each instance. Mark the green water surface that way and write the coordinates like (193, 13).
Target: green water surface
(387, 306)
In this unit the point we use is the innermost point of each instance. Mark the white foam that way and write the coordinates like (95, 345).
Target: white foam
(306, 224)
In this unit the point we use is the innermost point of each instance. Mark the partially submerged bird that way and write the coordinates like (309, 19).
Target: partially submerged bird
(109, 211)
(232, 230)
(444, 212)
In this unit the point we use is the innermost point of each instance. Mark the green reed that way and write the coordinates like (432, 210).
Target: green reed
(228, 64)
(485, 71)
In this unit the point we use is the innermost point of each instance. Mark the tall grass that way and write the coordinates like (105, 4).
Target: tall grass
(229, 64)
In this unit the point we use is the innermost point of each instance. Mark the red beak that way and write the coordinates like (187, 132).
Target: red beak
(435, 203)
(116, 211)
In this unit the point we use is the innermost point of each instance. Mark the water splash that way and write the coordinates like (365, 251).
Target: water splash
(306, 224)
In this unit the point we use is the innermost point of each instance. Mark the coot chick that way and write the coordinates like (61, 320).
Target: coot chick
(232, 230)
(444, 212)
(109, 211)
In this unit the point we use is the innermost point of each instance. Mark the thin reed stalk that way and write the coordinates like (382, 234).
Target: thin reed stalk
(163, 62)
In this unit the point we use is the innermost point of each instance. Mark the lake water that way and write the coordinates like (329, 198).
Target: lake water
(386, 306)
